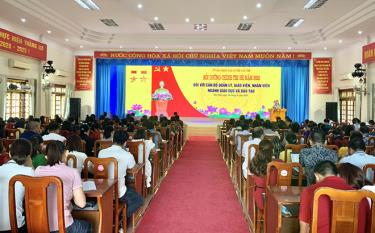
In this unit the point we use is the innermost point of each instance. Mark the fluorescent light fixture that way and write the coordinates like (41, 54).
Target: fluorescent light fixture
(87, 4)
(314, 4)
(244, 26)
(294, 23)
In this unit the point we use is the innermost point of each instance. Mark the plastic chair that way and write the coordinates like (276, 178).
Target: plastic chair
(36, 209)
(296, 148)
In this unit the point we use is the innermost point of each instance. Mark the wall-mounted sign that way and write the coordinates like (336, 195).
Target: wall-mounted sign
(322, 68)
(84, 73)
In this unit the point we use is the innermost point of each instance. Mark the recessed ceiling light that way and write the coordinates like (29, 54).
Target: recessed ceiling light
(289, 48)
(360, 32)
(23, 20)
(245, 17)
(121, 47)
(254, 47)
(340, 41)
(156, 47)
(187, 20)
(224, 47)
(190, 47)
(212, 20)
(81, 46)
(66, 39)
(259, 5)
(49, 31)
(325, 48)
(139, 6)
(156, 18)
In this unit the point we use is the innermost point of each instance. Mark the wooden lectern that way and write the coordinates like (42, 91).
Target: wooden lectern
(275, 113)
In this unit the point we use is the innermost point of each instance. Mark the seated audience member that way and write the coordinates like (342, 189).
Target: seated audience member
(32, 129)
(125, 161)
(74, 147)
(325, 173)
(353, 175)
(268, 129)
(84, 134)
(37, 156)
(358, 156)
(149, 145)
(344, 150)
(156, 138)
(20, 125)
(257, 137)
(290, 138)
(356, 123)
(72, 188)
(108, 133)
(365, 133)
(4, 156)
(258, 167)
(309, 157)
(19, 153)
(53, 133)
(245, 131)
(95, 132)
(237, 126)
(10, 123)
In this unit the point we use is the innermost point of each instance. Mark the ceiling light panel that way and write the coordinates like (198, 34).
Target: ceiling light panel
(156, 26)
(87, 4)
(314, 4)
(294, 23)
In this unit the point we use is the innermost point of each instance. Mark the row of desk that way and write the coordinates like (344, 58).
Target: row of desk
(276, 196)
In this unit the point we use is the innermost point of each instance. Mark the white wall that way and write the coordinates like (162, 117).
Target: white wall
(61, 55)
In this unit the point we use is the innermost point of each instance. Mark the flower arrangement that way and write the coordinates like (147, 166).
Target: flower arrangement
(216, 112)
(162, 96)
(137, 109)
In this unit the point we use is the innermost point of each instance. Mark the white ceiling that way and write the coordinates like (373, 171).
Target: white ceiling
(324, 27)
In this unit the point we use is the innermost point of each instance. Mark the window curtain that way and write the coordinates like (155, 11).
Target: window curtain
(294, 81)
(110, 89)
(68, 95)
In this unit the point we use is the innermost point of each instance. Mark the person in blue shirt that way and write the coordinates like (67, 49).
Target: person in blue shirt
(33, 129)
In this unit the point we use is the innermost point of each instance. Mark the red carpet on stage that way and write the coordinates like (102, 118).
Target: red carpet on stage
(196, 196)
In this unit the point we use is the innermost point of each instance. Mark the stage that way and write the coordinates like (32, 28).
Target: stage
(201, 126)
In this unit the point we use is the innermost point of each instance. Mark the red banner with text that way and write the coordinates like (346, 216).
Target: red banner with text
(84, 73)
(11, 42)
(205, 56)
(322, 68)
(368, 53)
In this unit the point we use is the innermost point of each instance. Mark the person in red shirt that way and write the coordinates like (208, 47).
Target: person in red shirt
(326, 176)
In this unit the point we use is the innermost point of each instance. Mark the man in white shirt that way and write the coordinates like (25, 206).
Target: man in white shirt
(125, 161)
(54, 135)
(245, 131)
(19, 153)
(258, 135)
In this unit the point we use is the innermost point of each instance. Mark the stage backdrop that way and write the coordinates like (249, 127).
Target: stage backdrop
(203, 88)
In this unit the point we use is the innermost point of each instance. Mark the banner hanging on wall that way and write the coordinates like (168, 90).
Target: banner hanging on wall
(368, 53)
(84, 73)
(14, 43)
(205, 56)
(322, 68)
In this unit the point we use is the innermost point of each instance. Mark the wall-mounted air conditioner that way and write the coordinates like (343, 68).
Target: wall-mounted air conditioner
(346, 77)
(62, 73)
(12, 63)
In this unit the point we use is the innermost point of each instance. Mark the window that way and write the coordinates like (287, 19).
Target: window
(18, 99)
(58, 100)
(347, 105)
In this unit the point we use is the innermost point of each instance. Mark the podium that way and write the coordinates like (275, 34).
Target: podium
(275, 113)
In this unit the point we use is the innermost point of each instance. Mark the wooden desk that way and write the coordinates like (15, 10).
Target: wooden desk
(101, 219)
(277, 196)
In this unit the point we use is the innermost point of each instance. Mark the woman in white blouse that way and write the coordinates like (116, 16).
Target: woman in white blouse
(140, 135)
(74, 147)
